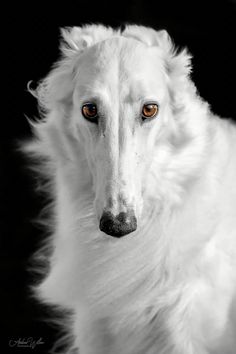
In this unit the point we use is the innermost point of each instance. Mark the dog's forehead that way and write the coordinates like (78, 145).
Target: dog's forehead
(121, 60)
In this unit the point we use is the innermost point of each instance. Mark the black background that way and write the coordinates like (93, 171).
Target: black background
(207, 28)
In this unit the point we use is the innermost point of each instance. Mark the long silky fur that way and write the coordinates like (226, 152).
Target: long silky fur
(119, 287)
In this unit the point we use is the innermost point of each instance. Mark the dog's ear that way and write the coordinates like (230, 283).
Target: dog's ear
(178, 68)
(57, 88)
(177, 63)
(76, 39)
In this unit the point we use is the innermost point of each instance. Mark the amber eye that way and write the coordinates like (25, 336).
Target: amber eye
(89, 111)
(149, 110)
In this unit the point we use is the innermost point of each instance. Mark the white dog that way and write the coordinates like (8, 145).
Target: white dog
(143, 177)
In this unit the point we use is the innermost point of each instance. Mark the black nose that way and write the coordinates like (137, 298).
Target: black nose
(119, 225)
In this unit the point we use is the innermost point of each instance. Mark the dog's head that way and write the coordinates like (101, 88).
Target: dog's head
(115, 97)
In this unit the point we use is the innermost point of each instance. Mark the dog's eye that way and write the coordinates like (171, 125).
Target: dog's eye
(89, 111)
(149, 110)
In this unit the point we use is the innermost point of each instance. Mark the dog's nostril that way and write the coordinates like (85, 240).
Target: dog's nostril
(123, 217)
(119, 225)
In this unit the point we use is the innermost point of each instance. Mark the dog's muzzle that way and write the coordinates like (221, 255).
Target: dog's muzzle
(120, 225)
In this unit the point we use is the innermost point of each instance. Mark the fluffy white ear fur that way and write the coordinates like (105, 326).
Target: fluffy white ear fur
(58, 86)
(178, 65)
(79, 38)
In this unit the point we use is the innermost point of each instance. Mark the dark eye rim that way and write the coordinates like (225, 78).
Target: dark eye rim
(145, 118)
(92, 119)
